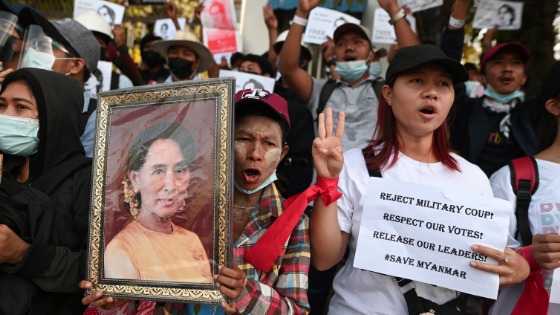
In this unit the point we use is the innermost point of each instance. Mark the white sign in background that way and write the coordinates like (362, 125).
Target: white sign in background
(165, 28)
(322, 22)
(383, 32)
(93, 85)
(420, 5)
(245, 80)
(506, 15)
(425, 234)
(113, 13)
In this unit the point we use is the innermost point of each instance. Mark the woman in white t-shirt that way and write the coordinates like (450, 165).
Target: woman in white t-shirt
(410, 144)
(544, 208)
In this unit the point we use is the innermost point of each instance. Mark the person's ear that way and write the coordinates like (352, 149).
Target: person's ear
(553, 106)
(77, 66)
(387, 93)
(285, 150)
(371, 56)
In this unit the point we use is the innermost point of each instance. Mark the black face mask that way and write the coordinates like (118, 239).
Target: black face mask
(181, 68)
(151, 58)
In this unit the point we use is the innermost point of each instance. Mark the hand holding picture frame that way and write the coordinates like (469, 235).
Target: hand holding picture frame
(160, 214)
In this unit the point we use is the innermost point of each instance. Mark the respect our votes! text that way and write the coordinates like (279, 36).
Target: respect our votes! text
(425, 234)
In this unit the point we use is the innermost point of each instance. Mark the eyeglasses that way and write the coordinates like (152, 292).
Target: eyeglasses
(59, 46)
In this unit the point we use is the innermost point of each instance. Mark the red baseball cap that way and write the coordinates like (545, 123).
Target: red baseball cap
(511, 46)
(257, 97)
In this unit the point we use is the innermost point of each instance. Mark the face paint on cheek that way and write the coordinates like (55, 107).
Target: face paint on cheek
(240, 150)
(273, 156)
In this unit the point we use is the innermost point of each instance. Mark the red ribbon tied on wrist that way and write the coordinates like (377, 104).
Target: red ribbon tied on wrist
(265, 251)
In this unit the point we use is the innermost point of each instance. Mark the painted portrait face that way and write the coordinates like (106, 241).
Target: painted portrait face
(421, 99)
(163, 180)
(105, 14)
(17, 100)
(258, 150)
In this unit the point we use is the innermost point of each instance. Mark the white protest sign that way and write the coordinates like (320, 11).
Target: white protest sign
(322, 22)
(249, 81)
(219, 14)
(506, 15)
(100, 80)
(425, 234)
(419, 5)
(113, 13)
(383, 32)
(165, 28)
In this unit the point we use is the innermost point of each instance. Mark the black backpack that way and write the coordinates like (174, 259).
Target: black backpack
(330, 85)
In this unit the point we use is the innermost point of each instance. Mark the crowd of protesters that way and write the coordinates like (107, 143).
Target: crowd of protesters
(429, 120)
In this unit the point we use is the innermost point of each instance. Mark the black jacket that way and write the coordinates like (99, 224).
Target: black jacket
(56, 266)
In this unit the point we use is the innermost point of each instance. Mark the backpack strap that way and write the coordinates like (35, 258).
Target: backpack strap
(524, 182)
(326, 93)
(330, 85)
(49, 181)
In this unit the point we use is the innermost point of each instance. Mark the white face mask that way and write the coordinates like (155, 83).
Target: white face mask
(267, 182)
(38, 59)
(18, 136)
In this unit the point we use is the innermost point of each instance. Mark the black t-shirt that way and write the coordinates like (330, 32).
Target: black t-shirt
(499, 149)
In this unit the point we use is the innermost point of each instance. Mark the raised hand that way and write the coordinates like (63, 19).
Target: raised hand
(270, 18)
(512, 268)
(327, 148)
(170, 9)
(305, 6)
(391, 6)
(546, 250)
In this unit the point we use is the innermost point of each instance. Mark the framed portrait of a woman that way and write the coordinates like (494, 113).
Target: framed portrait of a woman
(160, 213)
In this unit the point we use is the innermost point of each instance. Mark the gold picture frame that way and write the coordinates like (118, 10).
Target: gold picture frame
(140, 262)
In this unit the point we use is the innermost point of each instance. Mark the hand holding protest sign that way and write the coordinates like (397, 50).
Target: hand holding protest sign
(383, 32)
(505, 15)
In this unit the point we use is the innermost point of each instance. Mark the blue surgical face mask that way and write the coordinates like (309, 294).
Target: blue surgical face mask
(503, 98)
(351, 70)
(18, 136)
(375, 68)
(38, 59)
(267, 182)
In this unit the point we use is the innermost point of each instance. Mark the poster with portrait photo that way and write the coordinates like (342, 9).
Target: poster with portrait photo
(146, 2)
(100, 80)
(244, 80)
(322, 22)
(165, 28)
(113, 13)
(219, 14)
(505, 15)
(160, 216)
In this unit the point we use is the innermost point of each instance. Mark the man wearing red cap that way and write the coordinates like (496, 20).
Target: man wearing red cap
(500, 126)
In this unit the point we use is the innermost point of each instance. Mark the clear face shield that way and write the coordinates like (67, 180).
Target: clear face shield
(10, 40)
(38, 50)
